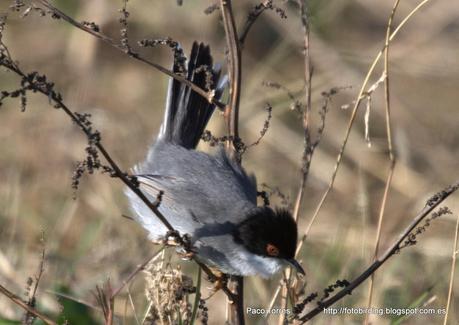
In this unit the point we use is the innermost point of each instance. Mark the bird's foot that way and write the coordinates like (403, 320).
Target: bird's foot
(172, 238)
(185, 255)
(183, 244)
(220, 280)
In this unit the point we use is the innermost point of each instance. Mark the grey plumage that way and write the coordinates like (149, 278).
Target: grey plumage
(205, 196)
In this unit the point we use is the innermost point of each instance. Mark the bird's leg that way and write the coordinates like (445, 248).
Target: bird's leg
(182, 243)
(186, 250)
(172, 238)
(185, 255)
(166, 242)
(219, 280)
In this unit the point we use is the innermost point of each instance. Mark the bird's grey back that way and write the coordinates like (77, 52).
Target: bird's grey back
(206, 185)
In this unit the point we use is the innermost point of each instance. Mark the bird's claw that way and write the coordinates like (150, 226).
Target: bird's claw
(185, 255)
(219, 280)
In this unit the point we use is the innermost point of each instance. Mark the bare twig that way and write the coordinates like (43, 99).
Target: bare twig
(29, 318)
(308, 146)
(104, 297)
(378, 233)
(75, 299)
(254, 14)
(263, 131)
(208, 95)
(308, 149)
(124, 28)
(360, 96)
(236, 307)
(430, 205)
(132, 306)
(453, 271)
(136, 271)
(37, 83)
(234, 73)
(391, 153)
(18, 301)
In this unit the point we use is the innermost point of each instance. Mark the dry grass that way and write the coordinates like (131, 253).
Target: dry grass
(88, 240)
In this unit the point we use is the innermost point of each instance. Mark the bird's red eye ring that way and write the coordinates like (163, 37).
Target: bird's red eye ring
(272, 250)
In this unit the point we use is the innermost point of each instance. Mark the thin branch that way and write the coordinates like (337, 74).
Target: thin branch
(136, 271)
(252, 17)
(308, 146)
(254, 14)
(391, 153)
(236, 307)
(452, 273)
(75, 299)
(378, 234)
(106, 301)
(37, 83)
(263, 131)
(386, 84)
(133, 306)
(360, 97)
(208, 95)
(308, 149)
(234, 73)
(41, 268)
(41, 86)
(18, 301)
(430, 205)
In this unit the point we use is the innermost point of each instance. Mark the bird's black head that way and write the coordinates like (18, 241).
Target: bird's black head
(269, 233)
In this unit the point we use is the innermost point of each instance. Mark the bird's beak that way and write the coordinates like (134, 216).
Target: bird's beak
(296, 265)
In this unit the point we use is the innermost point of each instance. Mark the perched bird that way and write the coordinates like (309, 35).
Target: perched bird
(209, 197)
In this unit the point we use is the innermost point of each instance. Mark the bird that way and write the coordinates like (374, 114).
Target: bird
(208, 196)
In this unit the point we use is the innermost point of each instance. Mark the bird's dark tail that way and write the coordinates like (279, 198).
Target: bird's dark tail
(187, 112)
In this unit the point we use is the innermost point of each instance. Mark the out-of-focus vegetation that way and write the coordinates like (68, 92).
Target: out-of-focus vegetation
(88, 241)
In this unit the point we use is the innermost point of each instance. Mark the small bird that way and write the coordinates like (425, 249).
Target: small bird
(209, 197)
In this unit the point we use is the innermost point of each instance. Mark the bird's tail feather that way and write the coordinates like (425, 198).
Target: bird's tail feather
(187, 112)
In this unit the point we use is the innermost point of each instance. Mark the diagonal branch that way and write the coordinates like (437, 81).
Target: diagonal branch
(18, 301)
(58, 13)
(430, 205)
(46, 89)
(359, 99)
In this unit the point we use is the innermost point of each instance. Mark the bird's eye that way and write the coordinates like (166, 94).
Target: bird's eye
(272, 250)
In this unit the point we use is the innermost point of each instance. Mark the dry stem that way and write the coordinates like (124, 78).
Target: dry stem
(431, 204)
(453, 271)
(360, 96)
(236, 303)
(18, 301)
(208, 95)
(391, 153)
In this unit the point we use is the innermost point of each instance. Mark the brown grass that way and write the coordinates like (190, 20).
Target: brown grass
(88, 240)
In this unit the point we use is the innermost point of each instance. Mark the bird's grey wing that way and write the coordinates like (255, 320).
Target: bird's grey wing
(171, 206)
(218, 194)
(158, 187)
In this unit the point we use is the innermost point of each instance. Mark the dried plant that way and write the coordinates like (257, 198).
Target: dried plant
(167, 291)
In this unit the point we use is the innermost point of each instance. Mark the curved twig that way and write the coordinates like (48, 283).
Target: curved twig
(18, 301)
(58, 13)
(431, 204)
(236, 308)
(116, 170)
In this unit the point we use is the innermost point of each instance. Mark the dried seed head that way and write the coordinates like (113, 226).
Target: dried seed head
(167, 290)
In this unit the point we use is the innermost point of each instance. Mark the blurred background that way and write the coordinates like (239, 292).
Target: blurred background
(87, 240)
